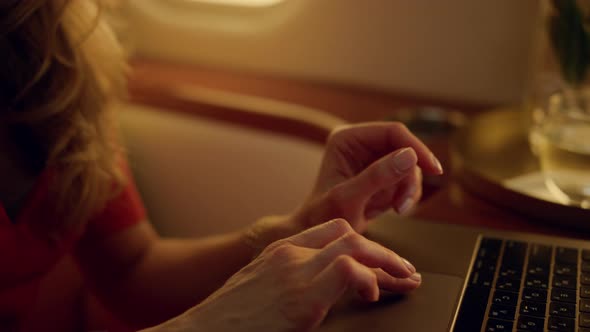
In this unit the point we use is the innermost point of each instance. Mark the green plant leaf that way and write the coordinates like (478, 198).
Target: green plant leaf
(570, 40)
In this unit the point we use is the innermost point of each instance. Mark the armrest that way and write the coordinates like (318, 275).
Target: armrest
(245, 110)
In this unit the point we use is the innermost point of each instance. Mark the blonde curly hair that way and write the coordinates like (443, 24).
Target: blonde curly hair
(63, 72)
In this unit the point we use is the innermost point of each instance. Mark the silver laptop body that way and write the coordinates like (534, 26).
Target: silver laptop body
(444, 254)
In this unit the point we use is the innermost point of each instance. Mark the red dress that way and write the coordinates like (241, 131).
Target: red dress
(25, 258)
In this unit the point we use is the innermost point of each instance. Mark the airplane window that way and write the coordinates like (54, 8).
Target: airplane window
(245, 3)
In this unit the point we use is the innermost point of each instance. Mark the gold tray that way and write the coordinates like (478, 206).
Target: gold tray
(491, 158)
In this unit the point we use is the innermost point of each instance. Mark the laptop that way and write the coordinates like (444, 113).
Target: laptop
(477, 280)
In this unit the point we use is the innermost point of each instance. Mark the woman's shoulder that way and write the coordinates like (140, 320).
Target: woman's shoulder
(123, 210)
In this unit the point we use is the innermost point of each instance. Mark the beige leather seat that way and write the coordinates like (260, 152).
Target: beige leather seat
(199, 175)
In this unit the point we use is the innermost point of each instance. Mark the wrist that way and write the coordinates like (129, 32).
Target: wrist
(268, 230)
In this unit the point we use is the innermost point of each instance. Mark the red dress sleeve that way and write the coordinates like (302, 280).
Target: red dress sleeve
(124, 210)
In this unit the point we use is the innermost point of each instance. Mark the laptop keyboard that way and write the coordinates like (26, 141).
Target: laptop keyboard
(519, 286)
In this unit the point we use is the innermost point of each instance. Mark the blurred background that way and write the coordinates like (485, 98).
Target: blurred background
(294, 69)
(475, 52)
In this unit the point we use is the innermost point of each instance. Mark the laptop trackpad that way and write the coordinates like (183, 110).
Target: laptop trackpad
(429, 308)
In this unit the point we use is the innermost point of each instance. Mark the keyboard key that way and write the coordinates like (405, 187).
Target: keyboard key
(496, 325)
(489, 249)
(585, 292)
(500, 311)
(586, 254)
(584, 305)
(540, 255)
(566, 255)
(481, 279)
(484, 265)
(527, 323)
(564, 282)
(487, 255)
(531, 308)
(489, 242)
(536, 282)
(563, 295)
(473, 308)
(584, 319)
(510, 273)
(564, 269)
(504, 297)
(561, 324)
(562, 309)
(514, 254)
(585, 279)
(538, 270)
(582, 329)
(535, 294)
(585, 266)
(508, 284)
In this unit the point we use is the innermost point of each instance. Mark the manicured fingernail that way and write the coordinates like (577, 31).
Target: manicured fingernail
(409, 265)
(404, 160)
(437, 164)
(405, 207)
(416, 277)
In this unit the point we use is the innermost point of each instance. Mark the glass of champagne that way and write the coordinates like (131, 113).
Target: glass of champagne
(562, 143)
(560, 134)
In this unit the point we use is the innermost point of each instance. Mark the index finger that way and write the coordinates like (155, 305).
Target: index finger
(386, 137)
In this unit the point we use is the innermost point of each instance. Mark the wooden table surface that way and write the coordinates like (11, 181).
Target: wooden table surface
(445, 202)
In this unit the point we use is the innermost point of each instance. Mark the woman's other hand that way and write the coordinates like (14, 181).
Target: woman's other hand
(295, 281)
(367, 169)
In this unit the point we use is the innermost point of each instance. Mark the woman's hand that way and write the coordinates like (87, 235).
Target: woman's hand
(295, 281)
(367, 169)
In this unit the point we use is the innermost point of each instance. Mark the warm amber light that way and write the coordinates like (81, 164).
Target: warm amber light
(247, 3)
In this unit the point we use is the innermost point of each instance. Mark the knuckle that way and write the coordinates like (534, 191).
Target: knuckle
(345, 266)
(342, 225)
(283, 252)
(274, 245)
(352, 274)
(353, 241)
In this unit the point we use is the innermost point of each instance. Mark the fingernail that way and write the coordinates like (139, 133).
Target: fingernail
(405, 207)
(437, 164)
(416, 277)
(409, 265)
(404, 160)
